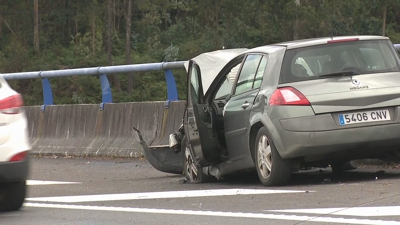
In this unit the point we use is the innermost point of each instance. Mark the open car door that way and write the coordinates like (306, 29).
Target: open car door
(197, 125)
(198, 121)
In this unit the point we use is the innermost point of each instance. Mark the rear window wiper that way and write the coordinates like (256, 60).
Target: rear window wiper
(341, 74)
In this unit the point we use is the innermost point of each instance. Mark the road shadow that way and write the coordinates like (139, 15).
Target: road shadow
(326, 176)
(316, 176)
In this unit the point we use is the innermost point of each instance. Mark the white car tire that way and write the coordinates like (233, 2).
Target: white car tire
(12, 196)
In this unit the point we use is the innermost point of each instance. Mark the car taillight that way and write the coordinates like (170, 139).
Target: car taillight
(11, 105)
(19, 157)
(288, 96)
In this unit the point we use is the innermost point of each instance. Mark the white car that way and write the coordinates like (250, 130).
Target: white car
(14, 149)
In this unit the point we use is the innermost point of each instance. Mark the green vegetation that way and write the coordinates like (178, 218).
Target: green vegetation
(61, 34)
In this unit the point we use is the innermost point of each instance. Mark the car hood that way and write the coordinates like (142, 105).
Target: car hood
(211, 63)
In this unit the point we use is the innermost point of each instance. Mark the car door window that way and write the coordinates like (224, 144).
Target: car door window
(260, 72)
(226, 87)
(195, 84)
(247, 74)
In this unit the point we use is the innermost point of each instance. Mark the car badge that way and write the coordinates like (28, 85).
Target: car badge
(357, 85)
(355, 82)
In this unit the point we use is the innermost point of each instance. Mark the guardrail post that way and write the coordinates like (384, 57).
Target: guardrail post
(106, 95)
(172, 91)
(47, 93)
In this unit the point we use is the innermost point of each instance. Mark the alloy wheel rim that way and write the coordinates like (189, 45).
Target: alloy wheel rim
(191, 169)
(264, 157)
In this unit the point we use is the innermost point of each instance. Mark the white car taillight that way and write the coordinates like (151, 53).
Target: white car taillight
(11, 105)
(288, 96)
(19, 157)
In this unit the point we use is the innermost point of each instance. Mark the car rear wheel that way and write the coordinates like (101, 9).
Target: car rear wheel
(271, 168)
(192, 172)
(12, 196)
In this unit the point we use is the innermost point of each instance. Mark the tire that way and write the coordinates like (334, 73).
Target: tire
(193, 173)
(13, 196)
(272, 170)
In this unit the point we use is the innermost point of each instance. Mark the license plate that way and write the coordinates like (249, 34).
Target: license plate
(364, 117)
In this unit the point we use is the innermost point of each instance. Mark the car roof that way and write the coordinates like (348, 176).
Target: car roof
(311, 42)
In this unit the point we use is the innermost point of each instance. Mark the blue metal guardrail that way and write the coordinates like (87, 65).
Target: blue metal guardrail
(167, 67)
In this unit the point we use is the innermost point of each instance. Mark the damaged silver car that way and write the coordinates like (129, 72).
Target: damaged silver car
(283, 107)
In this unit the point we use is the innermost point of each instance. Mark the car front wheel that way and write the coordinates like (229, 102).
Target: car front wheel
(271, 168)
(12, 196)
(192, 172)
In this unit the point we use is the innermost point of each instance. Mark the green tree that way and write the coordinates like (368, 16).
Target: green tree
(76, 33)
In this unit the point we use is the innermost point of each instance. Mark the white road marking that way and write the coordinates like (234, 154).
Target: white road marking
(220, 214)
(159, 195)
(356, 211)
(47, 182)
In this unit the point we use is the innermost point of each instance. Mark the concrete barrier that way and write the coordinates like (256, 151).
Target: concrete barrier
(85, 130)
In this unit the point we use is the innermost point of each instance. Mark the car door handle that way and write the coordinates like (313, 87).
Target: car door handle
(245, 105)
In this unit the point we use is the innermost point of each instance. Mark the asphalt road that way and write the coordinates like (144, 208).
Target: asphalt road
(105, 191)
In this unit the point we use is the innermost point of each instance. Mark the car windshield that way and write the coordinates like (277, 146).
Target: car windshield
(337, 59)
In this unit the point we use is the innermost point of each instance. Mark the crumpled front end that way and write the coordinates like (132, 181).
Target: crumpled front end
(165, 158)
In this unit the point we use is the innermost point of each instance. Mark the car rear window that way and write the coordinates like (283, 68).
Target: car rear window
(363, 57)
